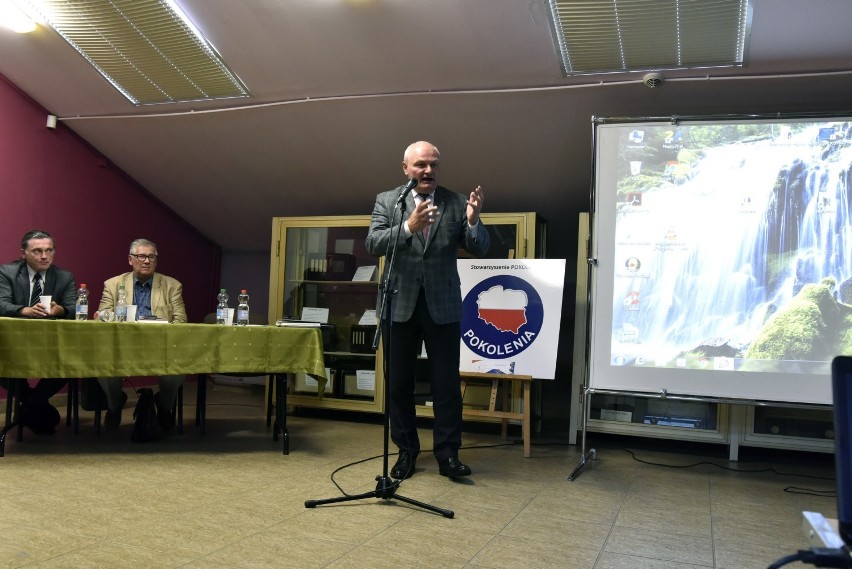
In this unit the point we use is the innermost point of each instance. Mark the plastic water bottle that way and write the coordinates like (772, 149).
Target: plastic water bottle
(82, 302)
(243, 308)
(121, 305)
(222, 307)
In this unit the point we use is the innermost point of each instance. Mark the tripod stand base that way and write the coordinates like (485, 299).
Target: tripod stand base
(386, 490)
(583, 461)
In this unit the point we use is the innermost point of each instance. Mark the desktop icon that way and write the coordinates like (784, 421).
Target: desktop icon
(634, 199)
(632, 264)
(827, 133)
(672, 136)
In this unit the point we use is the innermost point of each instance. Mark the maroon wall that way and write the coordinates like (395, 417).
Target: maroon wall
(54, 181)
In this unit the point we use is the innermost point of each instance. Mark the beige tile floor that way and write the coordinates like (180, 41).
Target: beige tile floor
(230, 499)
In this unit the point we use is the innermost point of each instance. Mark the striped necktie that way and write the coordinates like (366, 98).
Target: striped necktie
(37, 290)
(425, 230)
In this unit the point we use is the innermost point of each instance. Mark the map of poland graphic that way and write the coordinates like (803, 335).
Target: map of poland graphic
(505, 309)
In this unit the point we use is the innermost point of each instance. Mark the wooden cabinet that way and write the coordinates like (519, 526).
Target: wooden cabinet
(314, 260)
(312, 265)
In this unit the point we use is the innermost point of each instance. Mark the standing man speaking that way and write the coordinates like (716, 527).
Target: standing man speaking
(428, 304)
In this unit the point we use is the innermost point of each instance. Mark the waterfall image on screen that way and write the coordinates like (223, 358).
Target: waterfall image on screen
(730, 246)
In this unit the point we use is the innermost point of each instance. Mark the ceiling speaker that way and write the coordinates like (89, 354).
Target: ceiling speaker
(653, 80)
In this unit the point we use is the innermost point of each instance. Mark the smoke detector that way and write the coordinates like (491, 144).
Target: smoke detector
(653, 80)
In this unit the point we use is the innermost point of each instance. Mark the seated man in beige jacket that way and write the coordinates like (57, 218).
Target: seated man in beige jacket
(154, 295)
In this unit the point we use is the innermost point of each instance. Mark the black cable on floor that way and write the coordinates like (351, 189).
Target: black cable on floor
(772, 469)
(817, 556)
(811, 492)
(705, 462)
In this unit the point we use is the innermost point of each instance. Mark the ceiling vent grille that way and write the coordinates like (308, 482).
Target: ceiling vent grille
(147, 49)
(611, 36)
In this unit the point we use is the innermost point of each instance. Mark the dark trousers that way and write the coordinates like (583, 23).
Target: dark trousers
(44, 389)
(442, 348)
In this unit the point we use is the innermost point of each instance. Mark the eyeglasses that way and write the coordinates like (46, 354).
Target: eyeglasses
(144, 257)
(40, 252)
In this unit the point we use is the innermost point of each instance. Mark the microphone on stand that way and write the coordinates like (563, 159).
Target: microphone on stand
(412, 183)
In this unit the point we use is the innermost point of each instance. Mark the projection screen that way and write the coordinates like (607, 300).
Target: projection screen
(723, 253)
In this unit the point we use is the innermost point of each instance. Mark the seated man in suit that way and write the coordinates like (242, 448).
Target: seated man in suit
(154, 295)
(22, 282)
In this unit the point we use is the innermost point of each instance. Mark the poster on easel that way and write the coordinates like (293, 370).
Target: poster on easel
(511, 313)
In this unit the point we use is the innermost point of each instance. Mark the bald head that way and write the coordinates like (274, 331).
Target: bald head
(420, 162)
(418, 147)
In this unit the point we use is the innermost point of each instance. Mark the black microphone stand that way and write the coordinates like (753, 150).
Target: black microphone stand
(386, 486)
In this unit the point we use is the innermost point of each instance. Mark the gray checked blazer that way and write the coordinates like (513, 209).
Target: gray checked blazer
(431, 265)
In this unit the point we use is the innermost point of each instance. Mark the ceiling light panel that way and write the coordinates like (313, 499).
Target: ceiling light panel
(147, 49)
(606, 36)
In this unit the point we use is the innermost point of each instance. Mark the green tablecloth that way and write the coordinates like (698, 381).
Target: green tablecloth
(68, 348)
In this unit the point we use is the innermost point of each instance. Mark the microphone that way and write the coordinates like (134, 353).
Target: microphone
(407, 189)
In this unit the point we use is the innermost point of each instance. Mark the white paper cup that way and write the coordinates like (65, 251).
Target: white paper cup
(131, 313)
(44, 300)
(230, 320)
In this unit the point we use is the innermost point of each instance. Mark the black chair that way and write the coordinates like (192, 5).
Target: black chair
(12, 407)
(93, 398)
(12, 410)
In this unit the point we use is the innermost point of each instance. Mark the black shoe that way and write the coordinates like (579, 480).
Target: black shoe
(453, 467)
(404, 467)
